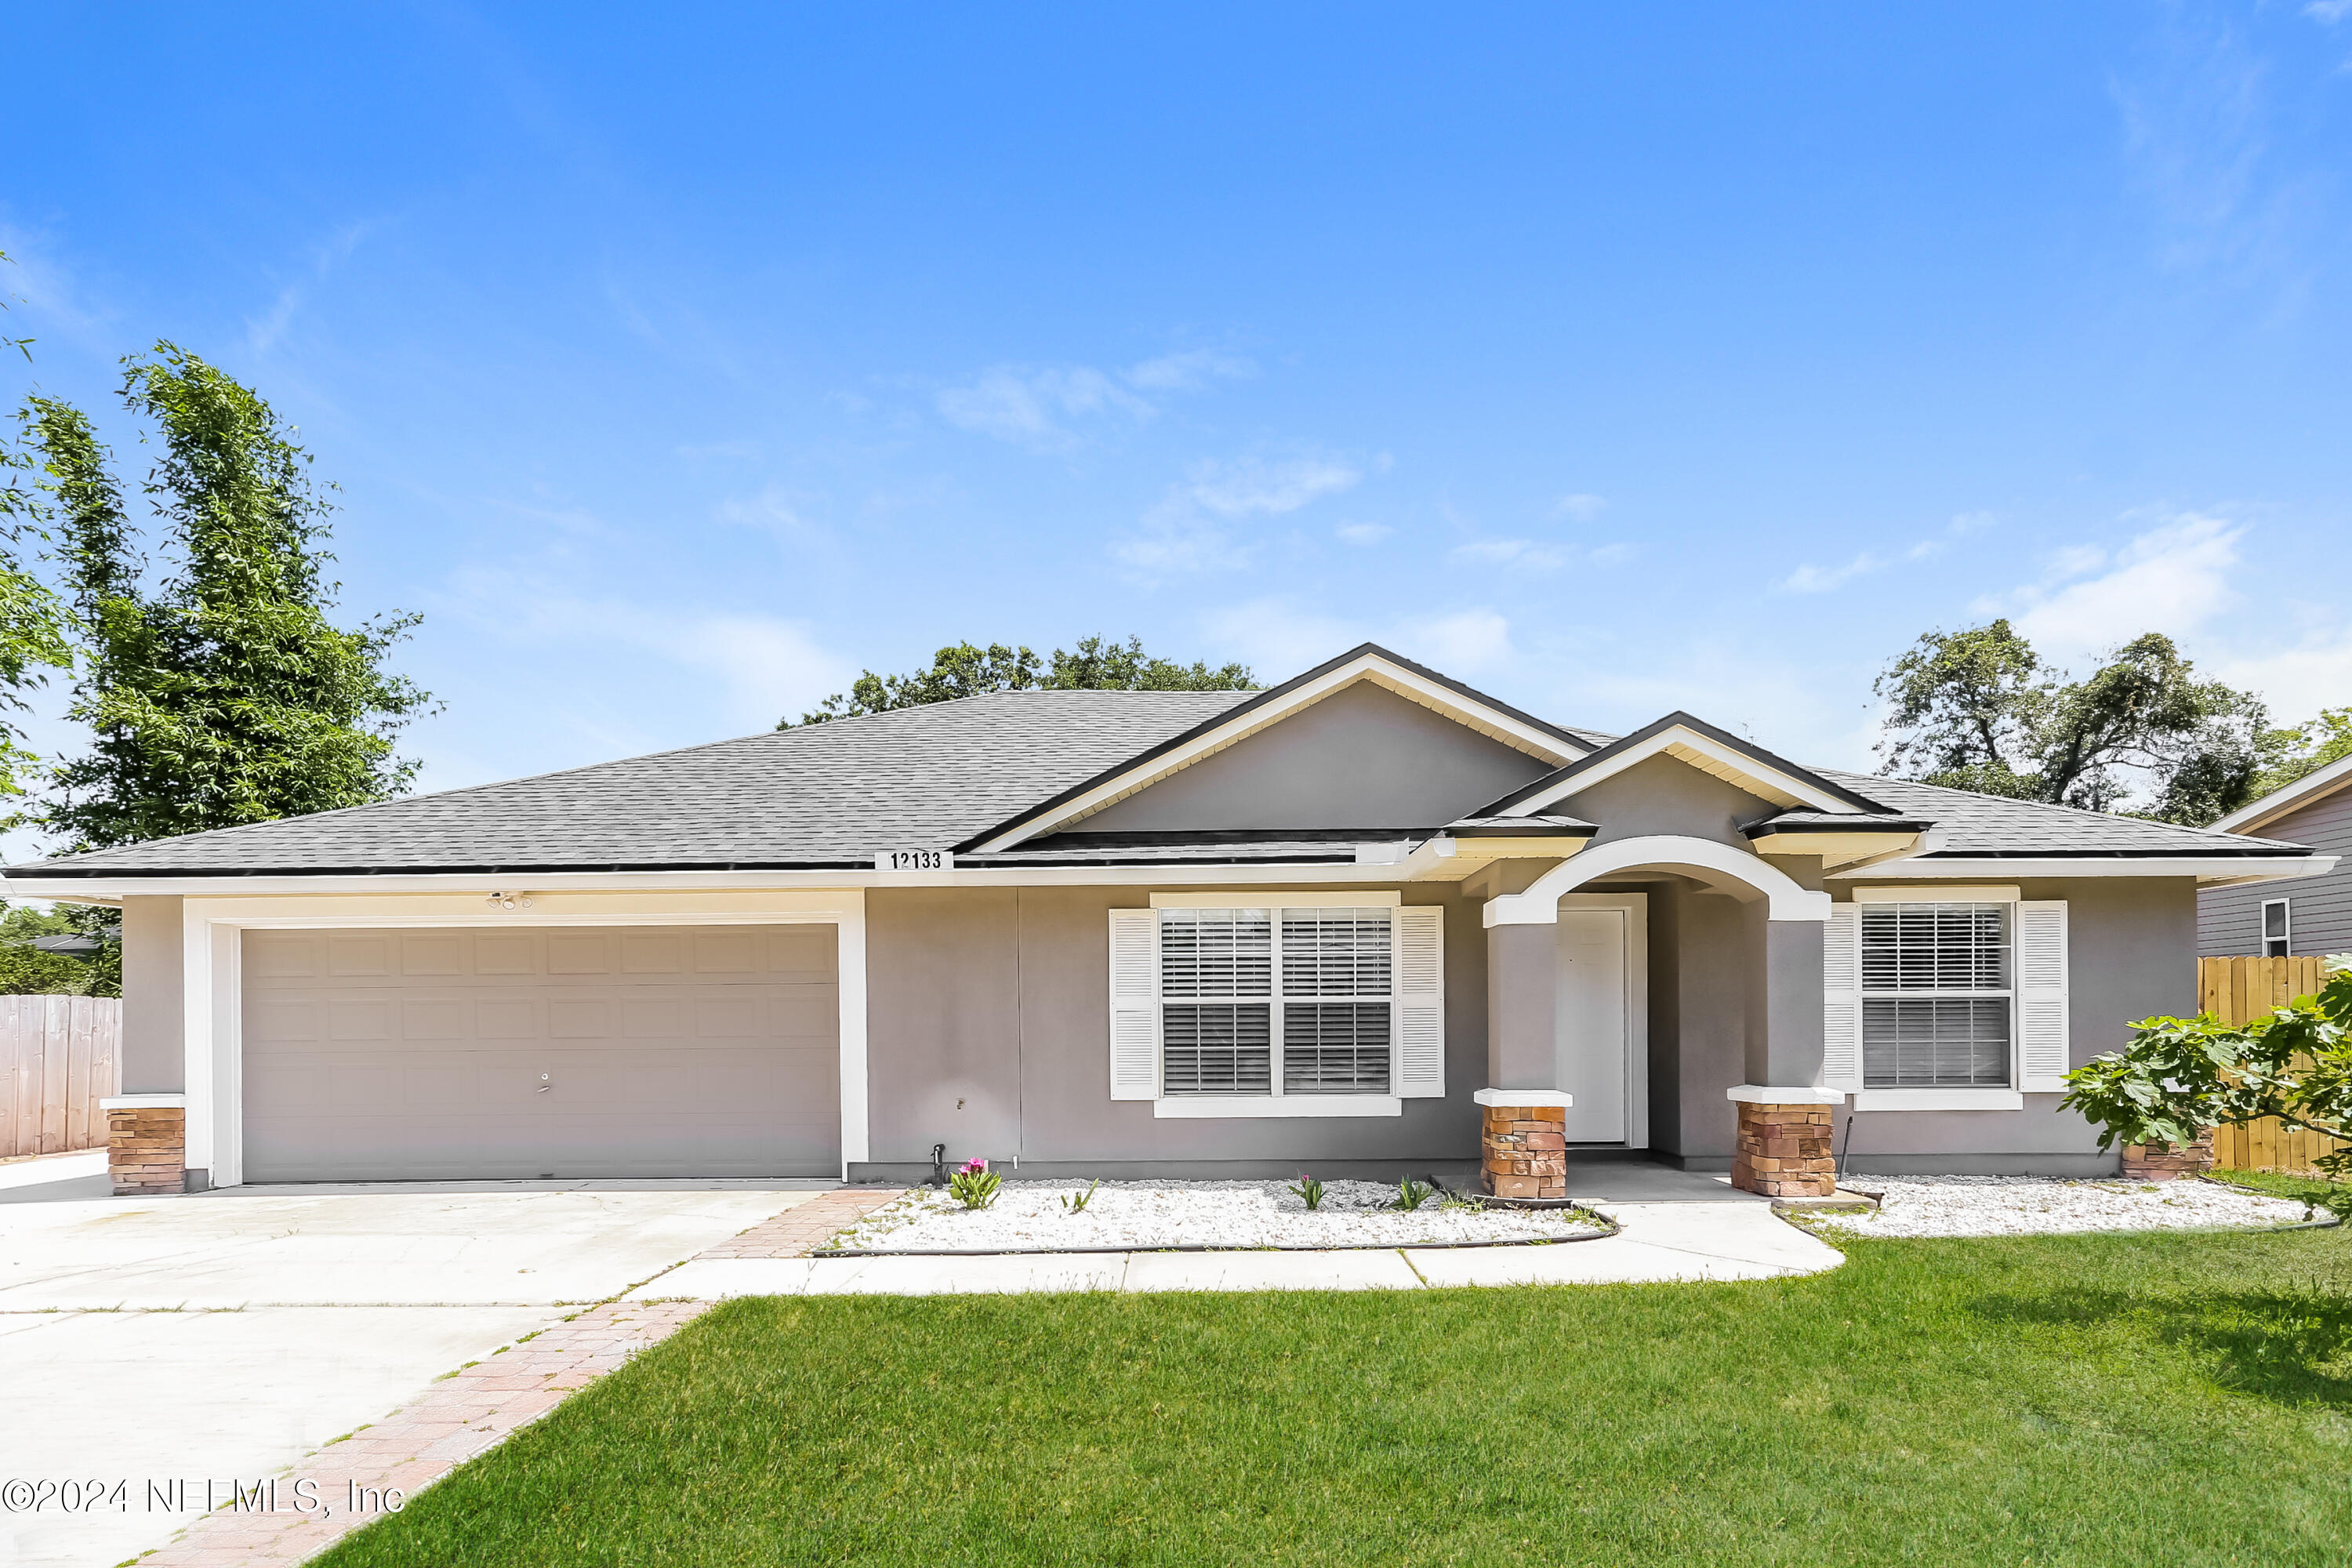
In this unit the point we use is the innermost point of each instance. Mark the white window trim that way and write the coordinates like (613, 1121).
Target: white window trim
(2286, 924)
(1940, 1098)
(1209, 1107)
(1955, 1096)
(1205, 1107)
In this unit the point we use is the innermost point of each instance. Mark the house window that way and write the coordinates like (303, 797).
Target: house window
(2275, 935)
(1274, 1002)
(1937, 995)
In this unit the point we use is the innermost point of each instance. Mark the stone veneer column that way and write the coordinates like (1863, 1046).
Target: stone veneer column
(1523, 1152)
(146, 1143)
(2168, 1162)
(1786, 1145)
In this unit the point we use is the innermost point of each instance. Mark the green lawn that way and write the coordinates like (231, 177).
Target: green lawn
(2182, 1399)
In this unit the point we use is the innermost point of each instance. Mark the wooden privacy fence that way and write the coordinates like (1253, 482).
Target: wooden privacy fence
(2239, 991)
(59, 1055)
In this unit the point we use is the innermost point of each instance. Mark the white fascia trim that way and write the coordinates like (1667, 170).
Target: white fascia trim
(1780, 1094)
(1370, 898)
(1942, 893)
(1522, 1097)
(1939, 1099)
(87, 890)
(1502, 727)
(144, 1103)
(2213, 870)
(1207, 1109)
(1779, 787)
(2281, 801)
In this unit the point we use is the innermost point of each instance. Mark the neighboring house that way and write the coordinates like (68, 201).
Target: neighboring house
(2306, 918)
(1370, 920)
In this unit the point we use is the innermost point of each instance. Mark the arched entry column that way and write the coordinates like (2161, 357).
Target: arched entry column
(1783, 1146)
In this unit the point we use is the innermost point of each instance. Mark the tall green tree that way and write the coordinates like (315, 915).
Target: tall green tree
(216, 688)
(2307, 749)
(1096, 664)
(1979, 710)
(32, 622)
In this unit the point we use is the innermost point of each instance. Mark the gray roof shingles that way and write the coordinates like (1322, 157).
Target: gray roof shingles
(828, 794)
(832, 794)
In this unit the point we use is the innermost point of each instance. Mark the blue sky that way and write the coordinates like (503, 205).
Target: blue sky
(1614, 358)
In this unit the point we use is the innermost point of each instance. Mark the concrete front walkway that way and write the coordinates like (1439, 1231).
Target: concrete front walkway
(225, 1335)
(1678, 1239)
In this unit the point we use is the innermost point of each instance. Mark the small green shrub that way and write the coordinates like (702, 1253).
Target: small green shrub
(1307, 1191)
(1411, 1194)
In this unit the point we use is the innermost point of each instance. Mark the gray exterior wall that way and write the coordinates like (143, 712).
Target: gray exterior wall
(2131, 952)
(2319, 908)
(1664, 794)
(154, 1017)
(1364, 757)
(987, 1029)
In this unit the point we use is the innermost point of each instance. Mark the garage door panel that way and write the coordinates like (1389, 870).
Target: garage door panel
(373, 1056)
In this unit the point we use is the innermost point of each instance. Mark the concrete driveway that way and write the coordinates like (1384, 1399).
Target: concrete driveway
(224, 1335)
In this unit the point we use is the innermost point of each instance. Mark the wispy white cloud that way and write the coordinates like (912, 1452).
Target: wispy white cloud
(1279, 635)
(1193, 529)
(774, 512)
(2329, 12)
(267, 330)
(1037, 407)
(1188, 371)
(1526, 554)
(1266, 485)
(1363, 534)
(1053, 408)
(1612, 554)
(751, 668)
(1469, 642)
(1823, 579)
(1811, 579)
(1580, 508)
(2173, 578)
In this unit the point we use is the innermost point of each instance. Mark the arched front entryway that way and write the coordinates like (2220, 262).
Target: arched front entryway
(1771, 966)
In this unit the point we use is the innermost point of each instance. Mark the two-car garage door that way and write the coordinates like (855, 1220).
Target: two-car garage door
(549, 1051)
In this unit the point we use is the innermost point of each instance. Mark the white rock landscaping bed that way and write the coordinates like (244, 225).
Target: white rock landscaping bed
(2041, 1206)
(1030, 1217)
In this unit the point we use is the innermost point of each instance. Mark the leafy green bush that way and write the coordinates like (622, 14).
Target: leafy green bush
(2179, 1077)
(1309, 1190)
(1411, 1194)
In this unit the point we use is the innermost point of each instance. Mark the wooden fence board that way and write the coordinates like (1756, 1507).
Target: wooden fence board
(2239, 991)
(59, 1055)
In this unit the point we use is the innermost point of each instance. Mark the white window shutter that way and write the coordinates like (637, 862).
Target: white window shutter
(1421, 1001)
(1842, 999)
(2041, 1044)
(1134, 1005)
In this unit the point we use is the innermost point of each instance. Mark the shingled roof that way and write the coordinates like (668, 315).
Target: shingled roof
(829, 796)
(822, 796)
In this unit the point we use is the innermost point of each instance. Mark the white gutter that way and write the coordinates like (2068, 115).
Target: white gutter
(2211, 871)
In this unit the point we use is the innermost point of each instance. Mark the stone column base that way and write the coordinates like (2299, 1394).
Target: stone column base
(2168, 1162)
(1785, 1150)
(1524, 1153)
(146, 1147)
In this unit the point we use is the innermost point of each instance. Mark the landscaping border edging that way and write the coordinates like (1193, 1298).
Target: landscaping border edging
(1591, 1235)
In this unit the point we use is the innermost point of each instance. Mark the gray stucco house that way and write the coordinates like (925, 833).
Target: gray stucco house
(1369, 920)
(2307, 918)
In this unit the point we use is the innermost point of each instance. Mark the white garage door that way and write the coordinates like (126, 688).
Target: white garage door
(548, 1051)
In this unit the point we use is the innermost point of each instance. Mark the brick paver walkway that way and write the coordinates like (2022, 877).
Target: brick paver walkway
(792, 1233)
(459, 1417)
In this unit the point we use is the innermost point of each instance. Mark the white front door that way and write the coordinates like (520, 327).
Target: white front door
(1603, 1030)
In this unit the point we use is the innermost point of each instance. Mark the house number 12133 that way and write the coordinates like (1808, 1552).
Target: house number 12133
(915, 860)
